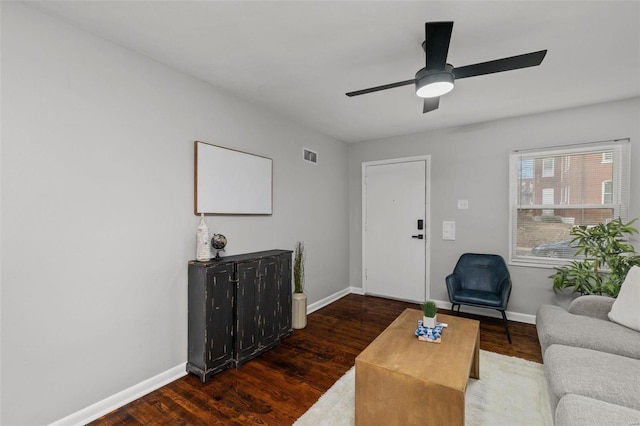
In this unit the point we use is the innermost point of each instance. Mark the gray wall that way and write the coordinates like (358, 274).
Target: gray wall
(97, 211)
(472, 163)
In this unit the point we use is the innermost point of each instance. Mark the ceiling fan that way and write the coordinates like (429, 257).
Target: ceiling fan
(437, 77)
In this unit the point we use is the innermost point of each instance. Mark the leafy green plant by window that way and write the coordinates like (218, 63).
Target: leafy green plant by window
(608, 256)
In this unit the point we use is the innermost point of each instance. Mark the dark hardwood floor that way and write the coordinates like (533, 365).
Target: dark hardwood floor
(279, 386)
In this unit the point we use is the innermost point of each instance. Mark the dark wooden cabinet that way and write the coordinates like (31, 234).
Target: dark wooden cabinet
(239, 307)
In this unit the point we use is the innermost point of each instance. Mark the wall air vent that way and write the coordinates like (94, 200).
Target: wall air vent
(310, 156)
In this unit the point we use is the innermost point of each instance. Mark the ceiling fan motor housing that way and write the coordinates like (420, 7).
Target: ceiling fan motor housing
(432, 83)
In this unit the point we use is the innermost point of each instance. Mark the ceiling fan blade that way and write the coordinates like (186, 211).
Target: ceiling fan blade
(430, 104)
(499, 65)
(437, 38)
(378, 88)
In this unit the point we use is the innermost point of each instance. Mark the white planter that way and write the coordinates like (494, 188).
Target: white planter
(429, 322)
(299, 318)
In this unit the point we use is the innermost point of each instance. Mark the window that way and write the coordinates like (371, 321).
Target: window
(548, 166)
(548, 195)
(545, 205)
(607, 192)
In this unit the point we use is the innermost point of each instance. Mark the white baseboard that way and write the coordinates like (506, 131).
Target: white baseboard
(356, 290)
(332, 298)
(100, 408)
(120, 399)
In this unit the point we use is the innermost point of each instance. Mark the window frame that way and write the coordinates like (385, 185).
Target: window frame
(621, 174)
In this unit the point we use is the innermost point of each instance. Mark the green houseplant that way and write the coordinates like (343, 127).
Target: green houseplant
(299, 301)
(429, 310)
(607, 257)
(298, 268)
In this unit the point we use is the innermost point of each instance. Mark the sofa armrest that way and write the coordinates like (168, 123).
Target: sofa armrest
(592, 306)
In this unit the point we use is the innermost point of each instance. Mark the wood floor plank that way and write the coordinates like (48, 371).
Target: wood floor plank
(279, 386)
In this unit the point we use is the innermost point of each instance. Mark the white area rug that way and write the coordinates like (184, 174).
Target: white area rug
(511, 391)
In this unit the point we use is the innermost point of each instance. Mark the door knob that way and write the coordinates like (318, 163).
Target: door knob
(419, 236)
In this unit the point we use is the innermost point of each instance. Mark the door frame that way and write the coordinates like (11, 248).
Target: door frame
(427, 216)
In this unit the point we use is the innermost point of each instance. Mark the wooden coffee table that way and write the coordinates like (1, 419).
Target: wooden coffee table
(403, 381)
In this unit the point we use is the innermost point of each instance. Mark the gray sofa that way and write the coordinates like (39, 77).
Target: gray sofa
(592, 365)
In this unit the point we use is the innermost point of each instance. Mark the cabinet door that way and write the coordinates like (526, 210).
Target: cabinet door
(219, 322)
(284, 295)
(268, 306)
(247, 309)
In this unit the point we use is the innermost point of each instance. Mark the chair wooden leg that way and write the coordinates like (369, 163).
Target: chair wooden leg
(453, 308)
(506, 325)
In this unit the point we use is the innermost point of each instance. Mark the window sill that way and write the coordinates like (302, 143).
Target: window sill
(540, 264)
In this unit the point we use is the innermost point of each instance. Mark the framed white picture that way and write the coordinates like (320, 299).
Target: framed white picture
(228, 181)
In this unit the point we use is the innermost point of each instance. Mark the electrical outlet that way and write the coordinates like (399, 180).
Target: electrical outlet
(463, 204)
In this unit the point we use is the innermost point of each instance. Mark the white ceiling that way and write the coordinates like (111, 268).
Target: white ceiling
(299, 58)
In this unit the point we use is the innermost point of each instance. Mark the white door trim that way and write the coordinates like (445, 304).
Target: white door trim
(427, 219)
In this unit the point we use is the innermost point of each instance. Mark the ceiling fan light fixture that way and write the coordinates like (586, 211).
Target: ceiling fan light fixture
(434, 83)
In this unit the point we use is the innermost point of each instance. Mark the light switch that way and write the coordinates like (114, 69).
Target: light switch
(448, 230)
(463, 204)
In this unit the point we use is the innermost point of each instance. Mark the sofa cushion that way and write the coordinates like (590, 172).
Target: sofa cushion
(626, 309)
(477, 297)
(577, 410)
(557, 326)
(598, 375)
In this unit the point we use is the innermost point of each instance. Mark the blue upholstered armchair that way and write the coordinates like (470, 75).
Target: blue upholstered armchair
(480, 280)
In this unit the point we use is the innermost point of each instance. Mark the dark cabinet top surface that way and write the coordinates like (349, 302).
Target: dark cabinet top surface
(239, 258)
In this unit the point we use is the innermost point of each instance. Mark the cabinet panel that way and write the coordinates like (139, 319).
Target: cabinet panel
(210, 319)
(247, 309)
(220, 290)
(284, 309)
(197, 315)
(268, 301)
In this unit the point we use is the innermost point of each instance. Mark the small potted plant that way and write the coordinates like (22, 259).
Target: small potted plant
(429, 310)
(299, 318)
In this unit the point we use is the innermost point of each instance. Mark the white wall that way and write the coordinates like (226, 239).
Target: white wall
(97, 211)
(472, 163)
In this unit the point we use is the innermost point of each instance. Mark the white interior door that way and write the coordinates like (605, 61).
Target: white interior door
(395, 250)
